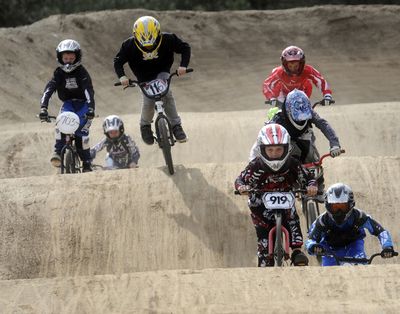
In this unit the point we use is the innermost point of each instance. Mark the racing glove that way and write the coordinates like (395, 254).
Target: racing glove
(328, 100)
(318, 249)
(387, 252)
(43, 115)
(90, 113)
(335, 151)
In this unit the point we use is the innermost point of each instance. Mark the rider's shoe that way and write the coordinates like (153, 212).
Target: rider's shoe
(87, 167)
(179, 134)
(299, 258)
(55, 160)
(147, 134)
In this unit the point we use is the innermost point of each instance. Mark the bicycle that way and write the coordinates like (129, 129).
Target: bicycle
(157, 89)
(67, 123)
(278, 236)
(352, 261)
(309, 204)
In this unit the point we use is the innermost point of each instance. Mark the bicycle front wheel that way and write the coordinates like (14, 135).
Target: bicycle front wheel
(165, 143)
(278, 249)
(72, 164)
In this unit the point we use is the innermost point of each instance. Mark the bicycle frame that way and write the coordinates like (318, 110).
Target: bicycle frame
(271, 238)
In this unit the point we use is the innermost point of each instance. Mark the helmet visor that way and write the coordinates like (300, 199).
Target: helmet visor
(339, 208)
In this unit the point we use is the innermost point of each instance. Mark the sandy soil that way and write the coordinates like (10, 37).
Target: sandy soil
(141, 241)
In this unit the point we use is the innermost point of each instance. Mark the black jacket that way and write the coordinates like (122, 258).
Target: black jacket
(75, 85)
(147, 70)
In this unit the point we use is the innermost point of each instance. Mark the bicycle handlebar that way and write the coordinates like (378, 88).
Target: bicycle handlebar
(322, 103)
(134, 83)
(353, 260)
(48, 120)
(319, 163)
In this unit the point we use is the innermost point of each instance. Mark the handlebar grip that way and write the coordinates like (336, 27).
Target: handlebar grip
(118, 84)
(342, 151)
(189, 70)
(237, 192)
(395, 253)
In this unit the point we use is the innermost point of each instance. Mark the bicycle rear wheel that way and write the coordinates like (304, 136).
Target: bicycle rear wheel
(278, 248)
(164, 141)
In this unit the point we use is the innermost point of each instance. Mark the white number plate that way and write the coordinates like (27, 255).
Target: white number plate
(155, 87)
(278, 200)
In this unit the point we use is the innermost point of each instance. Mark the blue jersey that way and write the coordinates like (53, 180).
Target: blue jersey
(326, 232)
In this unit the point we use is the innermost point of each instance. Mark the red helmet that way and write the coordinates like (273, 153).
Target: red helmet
(293, 53)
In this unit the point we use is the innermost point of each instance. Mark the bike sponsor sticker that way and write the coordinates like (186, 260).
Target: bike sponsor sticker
(278, 200)
(155, 87)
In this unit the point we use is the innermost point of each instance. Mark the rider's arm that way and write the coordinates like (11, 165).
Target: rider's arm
(134, 153)
(97, 148)
(120, 59)
(318, 80)
(377, 230)
(247, 176)
(326, 129)
(315, 236)
(272, 85)
(87, 87)
(48, 92)
(182, 48)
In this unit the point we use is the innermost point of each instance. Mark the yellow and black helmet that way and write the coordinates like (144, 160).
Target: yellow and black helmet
(147, 33)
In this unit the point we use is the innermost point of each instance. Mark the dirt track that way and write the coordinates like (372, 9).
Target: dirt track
(117, 242)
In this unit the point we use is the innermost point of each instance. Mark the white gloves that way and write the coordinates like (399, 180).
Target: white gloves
(335, 151)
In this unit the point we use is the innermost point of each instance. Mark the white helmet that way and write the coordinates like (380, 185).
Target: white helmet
(273, 135)
(69, 45)
(113, 123)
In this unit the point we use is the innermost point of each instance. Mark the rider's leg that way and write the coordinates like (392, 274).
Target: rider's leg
(262, 230)
(146, 119)
(312, 155)
(292, 223)
(60, 142)
(174, 118)
(172, 113)
(60, 138)
(82, 136)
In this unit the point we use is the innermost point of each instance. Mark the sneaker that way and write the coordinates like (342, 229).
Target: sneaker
(87, 167)
(179, 133)
(299, 258)
(55, 160)
(147, 134)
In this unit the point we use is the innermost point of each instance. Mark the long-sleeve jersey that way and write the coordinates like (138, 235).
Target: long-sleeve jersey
(295, 134)
(76, 85)
(325, 231)
(123, 152)
(259, 176)
(326, 129)
(279, 83)
(147, 68)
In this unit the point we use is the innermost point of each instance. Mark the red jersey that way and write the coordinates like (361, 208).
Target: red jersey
(279, 83)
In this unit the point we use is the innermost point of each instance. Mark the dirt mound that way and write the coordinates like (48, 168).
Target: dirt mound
(233, 52)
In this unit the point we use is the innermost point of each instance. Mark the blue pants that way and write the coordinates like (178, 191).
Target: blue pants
(354, 249)
(81, 135)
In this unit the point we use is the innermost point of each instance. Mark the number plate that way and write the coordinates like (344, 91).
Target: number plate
(278, 200)
(155, 87)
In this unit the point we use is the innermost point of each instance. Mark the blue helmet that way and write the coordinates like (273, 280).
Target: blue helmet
(298, 108)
